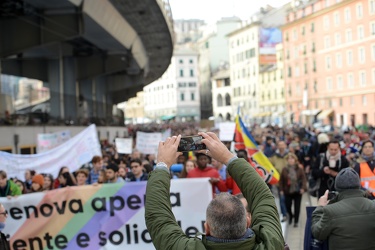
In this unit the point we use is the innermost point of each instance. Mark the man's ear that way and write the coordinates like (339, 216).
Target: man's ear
(248, 221)
(206, 228)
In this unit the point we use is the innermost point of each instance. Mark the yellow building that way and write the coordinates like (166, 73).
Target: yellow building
(135, 108)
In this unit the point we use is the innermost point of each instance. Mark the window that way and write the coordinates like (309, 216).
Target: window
(181, 72)
(371, 5)
(192, 84)
(297, 71)
(326, 22)
(361, 55)
(327, 42)
(337, 39)
(348, 35)
(340, 84)
(313, 27)
(313, 47)
(315, 87)
(295, 34)
(329, 83)
(364, 100)
(181, 61)
(191, 61)
(362, 78)
(352, 100)
(336, 18)
(347, 15)
(373, 76)
(350, 80)
(359, 10)
(360, 33)
(328, 62)
(338, 60)
(372, 29)
(349, 58)
(289, 71)
(341, 106)
(303, 30)
(182, 97)
(314, 66)
(305, 68)
(192, 96)
(296, 52)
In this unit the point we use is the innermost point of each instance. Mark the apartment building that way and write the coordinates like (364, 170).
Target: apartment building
(222, 96)
(176, 94)
(329, 51)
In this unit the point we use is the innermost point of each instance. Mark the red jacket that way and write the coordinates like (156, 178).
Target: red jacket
(208, 172)
(231, 184)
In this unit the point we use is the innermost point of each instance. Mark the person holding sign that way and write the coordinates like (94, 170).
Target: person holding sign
(227, 224)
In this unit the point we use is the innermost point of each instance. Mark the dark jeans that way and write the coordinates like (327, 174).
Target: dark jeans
(289, 198)
(282, 202)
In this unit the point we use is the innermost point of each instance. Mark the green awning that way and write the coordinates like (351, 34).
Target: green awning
(167, 117)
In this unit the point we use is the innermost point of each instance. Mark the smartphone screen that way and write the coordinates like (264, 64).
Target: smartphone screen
(191, 143)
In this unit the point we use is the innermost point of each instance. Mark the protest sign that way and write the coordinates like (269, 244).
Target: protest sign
(227, 131)
(147, 143)
(49, 141)
(124, 145)
(73, 154)
(108, 216)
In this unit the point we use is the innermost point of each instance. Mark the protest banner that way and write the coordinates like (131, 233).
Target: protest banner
(124, 145)
(147, 143)
(226, 132)
(73, 154)
(49, 141)
(108, 216)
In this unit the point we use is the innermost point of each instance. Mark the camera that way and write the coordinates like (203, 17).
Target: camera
(191, 143)
(332, 195)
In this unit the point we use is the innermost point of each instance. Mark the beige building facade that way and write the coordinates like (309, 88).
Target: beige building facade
(272, 93)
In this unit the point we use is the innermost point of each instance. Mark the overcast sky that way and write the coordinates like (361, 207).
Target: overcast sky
(213, 10)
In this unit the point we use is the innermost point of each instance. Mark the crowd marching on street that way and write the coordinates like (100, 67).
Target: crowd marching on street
(308, 160)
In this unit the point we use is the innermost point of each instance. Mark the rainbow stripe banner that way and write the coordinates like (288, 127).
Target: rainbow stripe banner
(244, 141)
(109, 216)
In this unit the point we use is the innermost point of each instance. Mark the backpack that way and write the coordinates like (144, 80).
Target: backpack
(314, 184)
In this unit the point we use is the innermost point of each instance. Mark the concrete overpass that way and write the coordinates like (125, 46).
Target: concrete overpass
(104, 50)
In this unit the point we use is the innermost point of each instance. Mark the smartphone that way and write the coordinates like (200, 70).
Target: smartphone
(332, 195)
(191, 143)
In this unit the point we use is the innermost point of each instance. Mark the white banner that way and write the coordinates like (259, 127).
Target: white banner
(46, 142)
(147, 143)
(102, 217)
(227, 131)
(167, 133)
(72, 154)
(124, 145)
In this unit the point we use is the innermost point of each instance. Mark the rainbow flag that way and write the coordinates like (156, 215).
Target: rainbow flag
(244, 141)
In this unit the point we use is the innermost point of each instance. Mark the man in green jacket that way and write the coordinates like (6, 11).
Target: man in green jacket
(347, 221)
(7, 187)
(226, 220)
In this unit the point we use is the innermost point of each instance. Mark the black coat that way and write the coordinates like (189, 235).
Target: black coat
(327, 181)
(4, 243)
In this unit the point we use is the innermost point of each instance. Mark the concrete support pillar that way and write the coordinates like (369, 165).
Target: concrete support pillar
(54, 87)
(69, 89)
(100, 94)
(63, 88)
(86, 90)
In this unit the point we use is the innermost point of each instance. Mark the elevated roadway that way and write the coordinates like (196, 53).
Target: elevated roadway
(103, 50)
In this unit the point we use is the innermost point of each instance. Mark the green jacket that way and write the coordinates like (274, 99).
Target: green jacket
(347, 223)
(166, 234)
(11, 189)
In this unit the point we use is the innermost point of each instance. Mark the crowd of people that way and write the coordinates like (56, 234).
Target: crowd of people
(299, 154)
